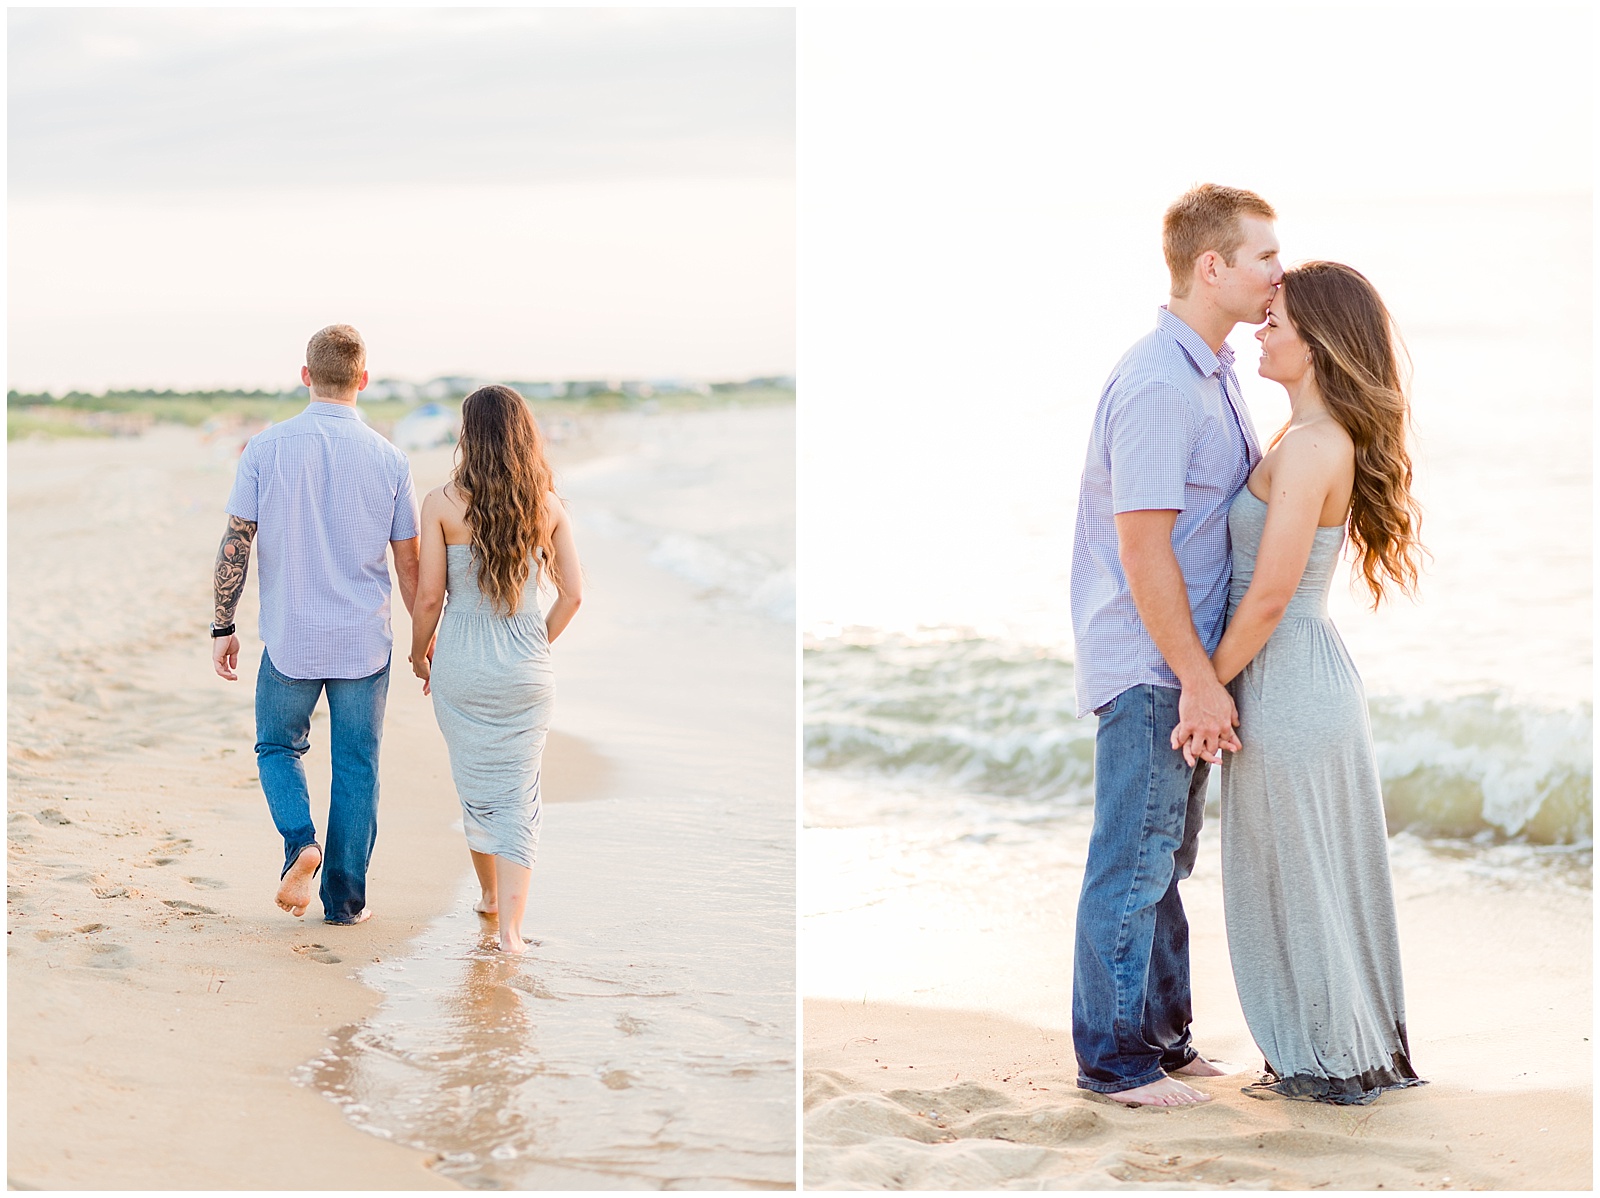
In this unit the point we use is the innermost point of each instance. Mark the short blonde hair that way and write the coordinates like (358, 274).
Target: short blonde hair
(336, 356)
(1206, 218)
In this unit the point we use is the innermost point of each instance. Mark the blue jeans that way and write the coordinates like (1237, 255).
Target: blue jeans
(1130, 974)
(283, 734)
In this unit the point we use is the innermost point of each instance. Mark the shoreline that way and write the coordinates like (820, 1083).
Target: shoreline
(937, 1021)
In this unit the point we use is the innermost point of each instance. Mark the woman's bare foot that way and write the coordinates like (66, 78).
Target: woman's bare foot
(486, 905)
(294, 893)
(1168, 1091)
(513, 945)
(1200, 1067)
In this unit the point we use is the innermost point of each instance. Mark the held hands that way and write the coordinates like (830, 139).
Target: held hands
(225, 657)
(1206, 722)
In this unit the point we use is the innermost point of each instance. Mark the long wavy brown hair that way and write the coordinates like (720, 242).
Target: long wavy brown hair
(1356, 353)
(506, 483)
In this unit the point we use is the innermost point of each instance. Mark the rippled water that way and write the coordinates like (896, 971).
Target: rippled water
(618, 1053)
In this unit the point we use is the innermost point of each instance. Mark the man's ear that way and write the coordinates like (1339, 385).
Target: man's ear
(305, 376)
(1206, 266)
(362, 385)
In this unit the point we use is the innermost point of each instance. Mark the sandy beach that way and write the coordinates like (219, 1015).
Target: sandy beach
(938, 1052)
(162, 1011)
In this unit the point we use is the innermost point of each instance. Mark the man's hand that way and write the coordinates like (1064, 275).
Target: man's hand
(225, 656)
(1206, 721)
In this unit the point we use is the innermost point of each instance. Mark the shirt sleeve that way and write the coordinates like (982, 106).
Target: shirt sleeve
(1149, 437)
(244, 501)
(405, 524)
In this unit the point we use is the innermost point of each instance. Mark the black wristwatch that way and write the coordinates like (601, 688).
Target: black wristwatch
(225, 630)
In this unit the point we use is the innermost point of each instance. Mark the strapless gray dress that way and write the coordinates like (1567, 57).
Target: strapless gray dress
(1305, 865)
(493, 689)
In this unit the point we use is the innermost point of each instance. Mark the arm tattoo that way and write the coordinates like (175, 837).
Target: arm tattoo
(233, 563)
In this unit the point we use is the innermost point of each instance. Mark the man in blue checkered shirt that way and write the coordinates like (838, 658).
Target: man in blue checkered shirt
(326, 500)
(1171, 446)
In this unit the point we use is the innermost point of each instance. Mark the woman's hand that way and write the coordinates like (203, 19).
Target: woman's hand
(423, 668)
(429, 601)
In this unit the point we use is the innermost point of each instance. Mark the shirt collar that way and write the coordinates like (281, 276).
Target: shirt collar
(1206, 362)
(322, 408)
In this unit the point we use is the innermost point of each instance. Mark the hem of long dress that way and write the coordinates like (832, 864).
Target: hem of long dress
(1342, 1091)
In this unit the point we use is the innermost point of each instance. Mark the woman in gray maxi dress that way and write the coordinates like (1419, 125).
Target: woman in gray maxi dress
(1309, 906)
(489, 537)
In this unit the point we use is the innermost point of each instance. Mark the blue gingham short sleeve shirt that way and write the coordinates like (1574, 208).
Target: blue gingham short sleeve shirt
(1171, 433)
(327, 495)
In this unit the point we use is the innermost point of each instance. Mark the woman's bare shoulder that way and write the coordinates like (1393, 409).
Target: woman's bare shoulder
(1316, 443)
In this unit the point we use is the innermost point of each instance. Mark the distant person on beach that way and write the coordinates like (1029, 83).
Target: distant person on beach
(1172, 444)
(490, 536)
(324, 497)
(1305, 867)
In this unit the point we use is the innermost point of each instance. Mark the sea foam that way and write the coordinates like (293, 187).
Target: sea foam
(998, 718)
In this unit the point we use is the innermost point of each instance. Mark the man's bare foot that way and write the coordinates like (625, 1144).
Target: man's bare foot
(364, 915)
(294, 893)
(1200, 1067)
(487, 905)
(1165, 1092)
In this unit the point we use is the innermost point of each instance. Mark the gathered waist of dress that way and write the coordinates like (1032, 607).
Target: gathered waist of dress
(465, 609)
(1304, 605)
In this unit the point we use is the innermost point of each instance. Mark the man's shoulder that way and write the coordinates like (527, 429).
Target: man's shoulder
(299, 423)
(1156, 358)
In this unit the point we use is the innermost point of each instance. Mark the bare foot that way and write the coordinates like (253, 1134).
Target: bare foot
(1165, 1092)
(366, 914)
(1200, 1067)
(487, 905)
(513, 945)
(294, 893)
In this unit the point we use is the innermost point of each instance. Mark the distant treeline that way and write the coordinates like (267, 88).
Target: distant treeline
(391, 390)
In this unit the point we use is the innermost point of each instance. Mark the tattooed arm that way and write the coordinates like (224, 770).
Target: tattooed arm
(233, 564)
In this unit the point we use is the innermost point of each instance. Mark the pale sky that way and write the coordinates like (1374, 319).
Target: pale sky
(981, 203)
(526, 193)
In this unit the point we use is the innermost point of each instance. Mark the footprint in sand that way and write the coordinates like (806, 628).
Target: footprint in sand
(109, 956)
(52, 815)
(318, 952)
(208, 883)
(185, 907)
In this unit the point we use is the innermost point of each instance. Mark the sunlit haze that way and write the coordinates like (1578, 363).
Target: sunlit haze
(531, 194)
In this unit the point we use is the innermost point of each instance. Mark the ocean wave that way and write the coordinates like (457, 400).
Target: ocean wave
(731, 578)
(991, 717)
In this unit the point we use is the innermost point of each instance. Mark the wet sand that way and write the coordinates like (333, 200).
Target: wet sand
(160, 1005)
(938, 1052)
